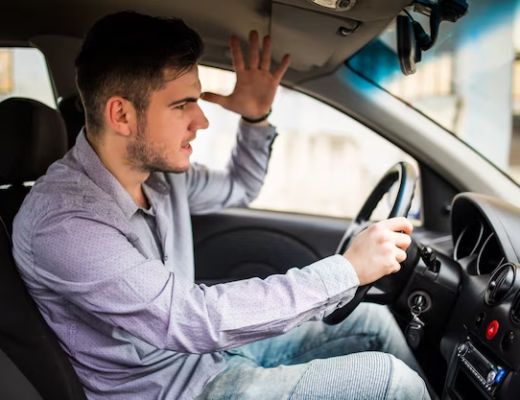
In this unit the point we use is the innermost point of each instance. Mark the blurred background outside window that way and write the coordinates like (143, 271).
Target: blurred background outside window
(323, 162)
(469, 82)
(24, 73)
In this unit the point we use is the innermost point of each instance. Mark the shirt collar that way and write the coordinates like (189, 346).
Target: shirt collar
(103, 178)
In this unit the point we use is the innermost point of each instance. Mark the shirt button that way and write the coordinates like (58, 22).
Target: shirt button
(166, 257)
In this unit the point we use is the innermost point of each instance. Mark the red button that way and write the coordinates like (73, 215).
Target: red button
(492, 329)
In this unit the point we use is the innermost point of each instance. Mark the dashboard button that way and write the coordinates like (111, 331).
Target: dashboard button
(500, 375)
(462, 349)
(507, 341)
(492, 329)
(480, 319)
(490, 379)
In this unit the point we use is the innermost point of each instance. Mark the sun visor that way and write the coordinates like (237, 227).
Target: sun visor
(311, 37)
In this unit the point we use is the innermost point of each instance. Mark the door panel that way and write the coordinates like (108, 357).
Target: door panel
(242, 243)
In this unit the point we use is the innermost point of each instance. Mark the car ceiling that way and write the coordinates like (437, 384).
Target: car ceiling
(308, 32)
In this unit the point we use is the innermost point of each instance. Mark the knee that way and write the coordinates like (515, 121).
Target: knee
(376, 318)
(379, 312)
(405, 383)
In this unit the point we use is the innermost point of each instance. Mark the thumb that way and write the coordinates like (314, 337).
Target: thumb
(213, 98)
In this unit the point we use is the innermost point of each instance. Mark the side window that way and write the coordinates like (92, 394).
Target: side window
(323, 161)
(24, 73)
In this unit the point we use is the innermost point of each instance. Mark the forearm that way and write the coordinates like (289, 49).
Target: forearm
(250, 159)
(236, 313)
(241, 181)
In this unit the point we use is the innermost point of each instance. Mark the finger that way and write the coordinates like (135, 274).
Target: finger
(398, 224)
(213, 98)
(253, 50)
(401, 240)
(400, 255)
(396, 267)
(280, 71)
(266, 54)
(236, 54)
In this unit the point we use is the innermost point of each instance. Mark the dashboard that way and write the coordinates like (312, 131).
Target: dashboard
(478, 282)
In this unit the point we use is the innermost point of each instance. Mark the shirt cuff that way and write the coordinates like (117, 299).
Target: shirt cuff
(256, 136)
(339, 278)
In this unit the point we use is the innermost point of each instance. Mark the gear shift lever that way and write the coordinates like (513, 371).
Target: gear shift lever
(430, 259)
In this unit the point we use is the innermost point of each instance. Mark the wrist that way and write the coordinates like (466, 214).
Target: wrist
(263, 123)
(256, 119)
(354, 264)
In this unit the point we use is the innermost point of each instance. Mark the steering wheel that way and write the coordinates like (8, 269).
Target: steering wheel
(405, 174)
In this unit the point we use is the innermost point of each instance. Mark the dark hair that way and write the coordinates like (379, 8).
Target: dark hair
(127, 54)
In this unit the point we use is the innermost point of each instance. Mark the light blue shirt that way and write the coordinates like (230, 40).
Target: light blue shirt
(119, 290)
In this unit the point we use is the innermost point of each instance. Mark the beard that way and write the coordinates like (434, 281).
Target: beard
(147, 157)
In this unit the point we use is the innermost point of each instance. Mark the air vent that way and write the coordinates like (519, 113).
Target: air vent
(500, 283)
(515, 310)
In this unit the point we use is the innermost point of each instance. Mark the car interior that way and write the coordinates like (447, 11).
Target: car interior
(460, 279)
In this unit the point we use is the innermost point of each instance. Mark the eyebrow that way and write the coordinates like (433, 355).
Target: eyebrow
(185, 100)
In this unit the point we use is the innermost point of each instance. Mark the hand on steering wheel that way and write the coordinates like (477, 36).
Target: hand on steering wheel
(379, 250)
(388, 243)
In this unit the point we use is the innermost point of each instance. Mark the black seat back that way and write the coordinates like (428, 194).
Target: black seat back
(27, 339)
(32, 137)
(11, 198)
(13, 384)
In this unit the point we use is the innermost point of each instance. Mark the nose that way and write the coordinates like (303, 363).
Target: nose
(199, 119)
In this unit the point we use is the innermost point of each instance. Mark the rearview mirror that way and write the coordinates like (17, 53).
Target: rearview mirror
(407, 51)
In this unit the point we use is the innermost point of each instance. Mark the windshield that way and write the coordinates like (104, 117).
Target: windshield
(469, 82)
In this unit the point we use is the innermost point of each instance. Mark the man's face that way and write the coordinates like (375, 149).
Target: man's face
(162, 141)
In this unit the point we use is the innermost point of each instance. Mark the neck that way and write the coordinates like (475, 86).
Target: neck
(112, 153)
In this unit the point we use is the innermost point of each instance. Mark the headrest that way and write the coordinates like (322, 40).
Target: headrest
(71, 109)
(32, 137)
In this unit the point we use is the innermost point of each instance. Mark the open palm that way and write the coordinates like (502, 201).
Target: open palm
(256, 86)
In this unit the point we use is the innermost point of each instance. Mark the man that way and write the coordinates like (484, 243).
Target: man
(103, 242)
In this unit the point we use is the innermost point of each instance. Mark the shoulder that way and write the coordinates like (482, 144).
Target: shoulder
(64, 192)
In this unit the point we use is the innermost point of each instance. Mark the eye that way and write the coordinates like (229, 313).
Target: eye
(181, 106)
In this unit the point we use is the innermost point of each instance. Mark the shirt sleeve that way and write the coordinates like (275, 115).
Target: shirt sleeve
(240, 182)
(95, 267)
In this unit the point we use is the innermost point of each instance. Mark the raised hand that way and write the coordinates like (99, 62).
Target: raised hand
(256, 86)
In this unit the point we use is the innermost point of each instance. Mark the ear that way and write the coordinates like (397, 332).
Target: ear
(121, 115)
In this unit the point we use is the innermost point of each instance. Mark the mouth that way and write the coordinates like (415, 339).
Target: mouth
(187, 146)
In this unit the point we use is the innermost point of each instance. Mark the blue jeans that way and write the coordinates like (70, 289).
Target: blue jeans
(360, 358)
